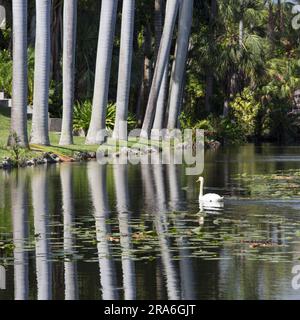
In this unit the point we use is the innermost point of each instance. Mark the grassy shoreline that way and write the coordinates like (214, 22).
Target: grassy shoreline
(79, 145)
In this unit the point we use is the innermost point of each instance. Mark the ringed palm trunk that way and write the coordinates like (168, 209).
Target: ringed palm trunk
(158, 23)
(125, 63)
(161, 101)
(210, 71)
(40, 133)
(185, 24)
(19, 96)
(162, 60)
(103, 67)
(161, 104)
(146, 75)
(70, 23)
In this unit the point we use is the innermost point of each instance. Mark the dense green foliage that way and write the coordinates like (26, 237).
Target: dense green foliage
(242, 70)
(83, 113)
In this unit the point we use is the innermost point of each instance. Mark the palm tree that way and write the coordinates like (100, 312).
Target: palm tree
(70, 24)
(241, 46)
(120, 130)
(209, 88)
(185, 24)
(103, 66)
(162, 60)
(161, 101)
(158, 123)
(40, 133)
(19, 95)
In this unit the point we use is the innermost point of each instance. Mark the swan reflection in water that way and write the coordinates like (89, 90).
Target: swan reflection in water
(211, 208)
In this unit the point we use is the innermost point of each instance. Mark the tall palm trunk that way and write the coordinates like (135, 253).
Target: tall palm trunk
(241, 33)
(103, 68)
(40, 133)
(70, 22)
(146, 75)
(162, 60)
(158, 23)
(158, 123)
(19, 96)
(161, 101)
(125, 62)
(56, 41)
(185, 24)
(210, 72)
(232, 89)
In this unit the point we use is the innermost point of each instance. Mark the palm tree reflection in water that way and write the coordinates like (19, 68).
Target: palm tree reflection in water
(185, 262)
(41, 230)
(19, 197)
(122, 199)
(70, 266)
(161, 224)
(97, 182)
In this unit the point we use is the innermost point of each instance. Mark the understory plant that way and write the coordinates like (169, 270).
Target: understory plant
(83, 114)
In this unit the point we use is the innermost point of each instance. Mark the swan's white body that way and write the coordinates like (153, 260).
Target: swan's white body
(209, 197)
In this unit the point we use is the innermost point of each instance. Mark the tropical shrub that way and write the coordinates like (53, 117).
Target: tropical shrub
(6, 72)
(225, 130)
(245, 110)
(83, 114)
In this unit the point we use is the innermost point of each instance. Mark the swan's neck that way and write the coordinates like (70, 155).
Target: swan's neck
(201, 188)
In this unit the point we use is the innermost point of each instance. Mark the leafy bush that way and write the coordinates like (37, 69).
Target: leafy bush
(16, 151)
(6, 78)
(229, 131)
(83, 114)
(6, 66)
(245, 110)
(216, 128)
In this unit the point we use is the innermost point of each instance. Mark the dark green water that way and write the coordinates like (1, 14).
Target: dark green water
(133, 232)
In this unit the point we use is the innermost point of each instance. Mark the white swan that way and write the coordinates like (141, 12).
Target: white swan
(210, 197)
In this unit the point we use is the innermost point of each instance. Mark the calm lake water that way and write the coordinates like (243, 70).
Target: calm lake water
(86, 231)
